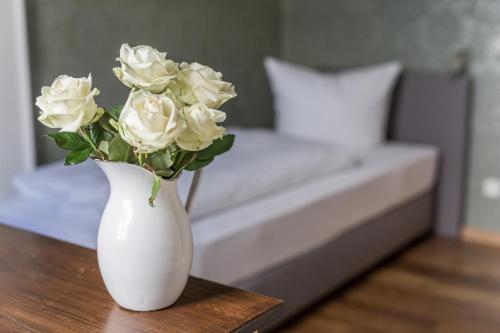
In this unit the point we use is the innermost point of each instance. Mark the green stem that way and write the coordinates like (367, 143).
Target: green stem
(87, 138)
(179, 159)
(140, 158)
(183, 165)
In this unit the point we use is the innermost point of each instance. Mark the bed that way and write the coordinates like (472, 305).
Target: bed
(300, 229)
(347, 187)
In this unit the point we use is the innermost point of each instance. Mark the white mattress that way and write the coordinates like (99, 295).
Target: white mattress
(239, 243)
(232, 244)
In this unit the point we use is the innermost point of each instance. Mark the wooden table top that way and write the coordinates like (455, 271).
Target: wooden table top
(52, 286)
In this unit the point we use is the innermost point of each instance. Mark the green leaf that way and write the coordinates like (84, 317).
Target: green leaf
(106, 136)
(116, 125)
(154, 190)
(95, 132)
(160, 160)
(173, 150)
(120, 151)
(197, 164)
(165, 173)
(77, 156)
(219, 146)
(104, 146)
(104, 122)
(69, 140)
(115, 112)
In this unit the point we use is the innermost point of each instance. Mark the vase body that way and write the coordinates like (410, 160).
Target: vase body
(144, 252)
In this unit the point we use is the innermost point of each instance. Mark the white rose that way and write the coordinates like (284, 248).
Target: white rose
(145, 67)
(68, 103)
(148, 121)
(200, 127)
(201, 84)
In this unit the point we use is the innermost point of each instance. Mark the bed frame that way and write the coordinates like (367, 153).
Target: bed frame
(427, 108)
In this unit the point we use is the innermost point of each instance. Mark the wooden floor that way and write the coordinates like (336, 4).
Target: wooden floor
(439, 285)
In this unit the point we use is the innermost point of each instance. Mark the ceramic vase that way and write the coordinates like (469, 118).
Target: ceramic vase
(144, 252)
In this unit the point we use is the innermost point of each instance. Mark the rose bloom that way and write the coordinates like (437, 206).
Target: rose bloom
(200, 127)
(148, 121)
(145, 67)
(197, 83)
(68, 103)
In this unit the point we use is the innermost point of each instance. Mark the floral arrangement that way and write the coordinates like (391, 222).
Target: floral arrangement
(169, 123)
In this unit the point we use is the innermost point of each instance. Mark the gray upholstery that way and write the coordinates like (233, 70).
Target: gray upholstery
(310, 277)
(433, 109)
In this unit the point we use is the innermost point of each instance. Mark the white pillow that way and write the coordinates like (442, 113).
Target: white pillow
(348, 108)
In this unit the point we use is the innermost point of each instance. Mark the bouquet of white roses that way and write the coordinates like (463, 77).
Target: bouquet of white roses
(169, 122)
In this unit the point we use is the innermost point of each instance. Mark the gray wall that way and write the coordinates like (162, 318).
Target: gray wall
(77, 37)
(424, 35)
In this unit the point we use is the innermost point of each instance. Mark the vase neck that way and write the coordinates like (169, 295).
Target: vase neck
(123, 176)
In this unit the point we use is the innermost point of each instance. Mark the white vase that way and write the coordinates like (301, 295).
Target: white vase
(144, 252)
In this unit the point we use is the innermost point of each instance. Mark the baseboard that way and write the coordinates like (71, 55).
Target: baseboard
(486, 237)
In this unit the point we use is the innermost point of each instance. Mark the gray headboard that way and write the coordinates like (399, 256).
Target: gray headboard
(433, 109)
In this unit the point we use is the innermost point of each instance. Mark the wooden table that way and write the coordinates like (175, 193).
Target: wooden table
(52, 286)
